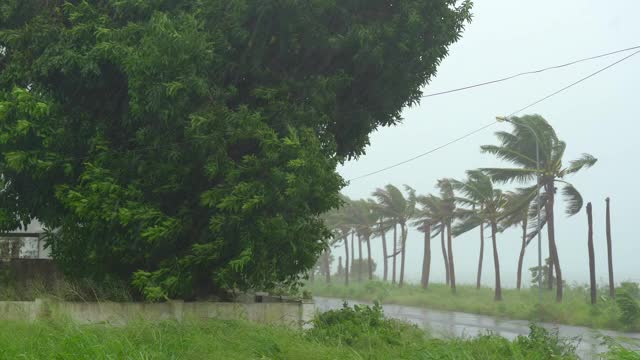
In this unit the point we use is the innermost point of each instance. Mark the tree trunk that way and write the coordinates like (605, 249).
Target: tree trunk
(393, 271)
(444, 252)
(552, 242)
(592, 261)
(327, 267)
(353, 254)
(426, 260)
(612, 289)
(550, 270)
(452, 270)
(403, 228)
(384, 254)
(522, 249)
(479, 280)
(496, 262)
(346, 260)
(360, 262)
(312, 274)
(369, 267)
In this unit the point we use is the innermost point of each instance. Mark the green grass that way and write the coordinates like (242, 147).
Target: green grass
(574, 310)
(239, 340)
(360, 332)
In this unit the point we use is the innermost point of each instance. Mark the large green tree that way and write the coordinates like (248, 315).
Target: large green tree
(194, 143)
(519, 148)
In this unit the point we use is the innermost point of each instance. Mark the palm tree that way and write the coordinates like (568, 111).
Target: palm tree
(519, 148)
(338, 221)
(433, 208)
(448, 214)
(517, 214)
(490, 203)
(425, 218)
(384, 225)
(364, 216)
(395, 206)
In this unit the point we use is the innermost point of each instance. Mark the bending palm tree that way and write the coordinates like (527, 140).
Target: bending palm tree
(384, 225)
(365, 219)
(517, 214)
(395, 206)
(519, 148)
(448, 212)
(338, 220)
(489, 205)
(425, 218)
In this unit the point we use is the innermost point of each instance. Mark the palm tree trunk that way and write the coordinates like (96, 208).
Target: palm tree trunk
(327, 267)
(360, 262)
(393, 271)
(426, 260)
(384, 254)
(444, 252)
(592, 261)
(522, 249)
(496, 261)
(403, 228)
(353, 253)
(452, 271)
(551, 265)
(612, 289)
(479, 280)
(346, 261)
(552, 241)
(369, 267)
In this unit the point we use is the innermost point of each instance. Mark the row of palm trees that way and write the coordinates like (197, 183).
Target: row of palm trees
(473, 203)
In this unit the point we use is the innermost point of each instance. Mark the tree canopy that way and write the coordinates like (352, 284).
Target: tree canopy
(190, 146)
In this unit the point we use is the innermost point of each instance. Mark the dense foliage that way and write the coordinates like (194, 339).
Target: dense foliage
(194, 143)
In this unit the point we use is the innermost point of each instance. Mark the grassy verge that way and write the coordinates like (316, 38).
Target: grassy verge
(350, 333)
(574, 310)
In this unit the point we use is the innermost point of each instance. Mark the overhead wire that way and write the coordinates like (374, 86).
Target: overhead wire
(531, 72)
(430, 151)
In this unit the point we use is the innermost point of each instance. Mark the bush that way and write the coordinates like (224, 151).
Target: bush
(629, 308)
(362, 325)
(546, 343)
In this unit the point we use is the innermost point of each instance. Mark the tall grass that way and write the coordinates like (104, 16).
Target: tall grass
(574, 310)
(349, 333)
(240, 340)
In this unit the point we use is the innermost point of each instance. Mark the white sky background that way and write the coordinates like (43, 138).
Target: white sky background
(599, 116)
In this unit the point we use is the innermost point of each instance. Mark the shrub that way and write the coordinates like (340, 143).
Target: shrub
(362, 325)
(629, 308)
(547, 343)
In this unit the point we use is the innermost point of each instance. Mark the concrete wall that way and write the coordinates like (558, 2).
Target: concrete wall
(285, 313)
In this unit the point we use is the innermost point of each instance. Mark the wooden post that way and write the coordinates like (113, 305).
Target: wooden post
(612, 287)
(592, 262)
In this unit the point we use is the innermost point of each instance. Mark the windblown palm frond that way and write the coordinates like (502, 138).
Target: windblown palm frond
(585, 161)
(573, 199)
(505, 175)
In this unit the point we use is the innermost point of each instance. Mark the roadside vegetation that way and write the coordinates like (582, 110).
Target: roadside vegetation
(622, 313)
(359, 332)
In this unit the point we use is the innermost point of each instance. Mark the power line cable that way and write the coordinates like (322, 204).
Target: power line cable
(530, 72)
(488, 125)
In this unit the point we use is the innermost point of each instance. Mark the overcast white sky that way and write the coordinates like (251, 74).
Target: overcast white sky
(599, 116)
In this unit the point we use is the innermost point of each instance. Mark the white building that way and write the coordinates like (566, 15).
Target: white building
(25, 243)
